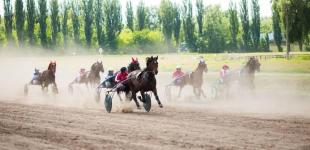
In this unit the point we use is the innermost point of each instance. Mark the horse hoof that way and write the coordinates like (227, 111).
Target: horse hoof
(161, 105)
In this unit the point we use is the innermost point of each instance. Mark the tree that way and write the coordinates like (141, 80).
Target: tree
(176, 23)
(267, 49)
(167, 16)
(54, 21)
(255, 24)
(215, 29)
(153, 21)
(31, 17)
(265, 43)
(99, 22)
(42, 22)
(75, 21)
(234, 23)
(141, 15)
(20, 20)
(188, 24)
(244, 16)
(129, 15)
(294, 21)
(112, 11)
(8, 19)
(65, 23)
(88, 20)
(276, 26)
(200, 12)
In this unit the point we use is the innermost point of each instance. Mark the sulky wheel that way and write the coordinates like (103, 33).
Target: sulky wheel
(168, 92)
(108, 103)
(147, 102)
(26, 89)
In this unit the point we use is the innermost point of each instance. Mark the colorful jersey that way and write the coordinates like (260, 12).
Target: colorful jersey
(177, 74)
(223, 73)
(121, 76)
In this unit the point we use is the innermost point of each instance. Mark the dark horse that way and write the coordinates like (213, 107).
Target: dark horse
(245, 76)
(133, 66)
(195, 79)
(47, 77)
(142, 81)
(91, 77)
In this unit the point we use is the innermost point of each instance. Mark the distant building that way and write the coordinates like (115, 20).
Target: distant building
(271, 38)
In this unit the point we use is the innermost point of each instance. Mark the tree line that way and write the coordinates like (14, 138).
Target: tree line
(99, 23)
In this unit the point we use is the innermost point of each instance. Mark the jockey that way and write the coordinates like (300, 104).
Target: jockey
(82, 75)
(223, 73)
(177, 74)
(36, 75)
(82, 72)
(122, 75)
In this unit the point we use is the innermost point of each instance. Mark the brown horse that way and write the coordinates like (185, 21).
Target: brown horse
(195, 79)
(91, 77)
(47, 77)
(247, 73)
(245, 76)
(142, 81)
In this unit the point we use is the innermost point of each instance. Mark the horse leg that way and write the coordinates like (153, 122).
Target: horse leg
(134, 97)
(119, 95)
(197, 93)
(202, 93)
(157, 98)
(55, 87)
(194, 91)
(179, 95)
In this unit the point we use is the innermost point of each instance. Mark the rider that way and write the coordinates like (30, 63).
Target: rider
(122, 75)
(177, 74)
(223, 73)
(83, 74)
(36, 75)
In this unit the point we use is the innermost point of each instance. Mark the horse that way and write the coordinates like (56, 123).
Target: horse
(245, 77)
(132, 66)
(91, 77)
(143, 81)
(195, 79)
(94, 74)
(47, 77)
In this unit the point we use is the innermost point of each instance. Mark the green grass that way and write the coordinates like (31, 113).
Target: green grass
(298, 64)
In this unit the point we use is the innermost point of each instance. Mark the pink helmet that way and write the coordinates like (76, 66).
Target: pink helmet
(225, 66)
(82, 70)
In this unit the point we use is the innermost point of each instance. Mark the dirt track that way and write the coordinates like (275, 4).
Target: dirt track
(276, 118)
(43, 127)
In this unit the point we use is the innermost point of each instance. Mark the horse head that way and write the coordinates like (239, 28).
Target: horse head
(253, 64)
(152, 64)
(202, 66)
(97, 67)
(52, 66)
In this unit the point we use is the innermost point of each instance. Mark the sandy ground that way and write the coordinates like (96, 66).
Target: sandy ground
(276, 117)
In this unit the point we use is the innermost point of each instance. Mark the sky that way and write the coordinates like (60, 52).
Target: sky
(265, 5)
